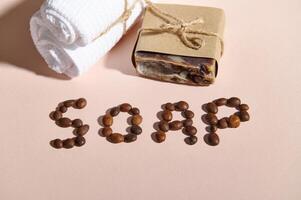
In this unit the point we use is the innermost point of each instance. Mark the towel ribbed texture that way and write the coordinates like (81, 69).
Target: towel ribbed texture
(64, 31)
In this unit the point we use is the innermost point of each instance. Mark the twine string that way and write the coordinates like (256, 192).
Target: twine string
(192, 38)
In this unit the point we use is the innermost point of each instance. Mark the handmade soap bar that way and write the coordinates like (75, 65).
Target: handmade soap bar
(184, 48)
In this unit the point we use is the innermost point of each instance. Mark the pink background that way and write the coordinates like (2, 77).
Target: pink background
(259, 160)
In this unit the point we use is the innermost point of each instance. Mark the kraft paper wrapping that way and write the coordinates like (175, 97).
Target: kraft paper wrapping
(170, 44)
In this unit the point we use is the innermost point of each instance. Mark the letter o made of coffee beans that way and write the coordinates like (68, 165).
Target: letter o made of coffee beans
(135, 129)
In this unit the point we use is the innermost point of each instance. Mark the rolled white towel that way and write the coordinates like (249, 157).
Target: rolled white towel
(80, 22)
(72, 35)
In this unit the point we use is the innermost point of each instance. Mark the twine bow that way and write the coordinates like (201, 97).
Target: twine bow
(190, 37)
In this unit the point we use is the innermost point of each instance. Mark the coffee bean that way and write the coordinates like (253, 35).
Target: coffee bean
(243, 107)
(107, 120)
(63, 109)
(213, 139)
(136, 120)
(79, 141)
(190, 130)
(106, 131)
(77, 123)
(114, 111)
(222, 123)
(134, 111)
(137, 130)
(244, 116)
(181, 106)
(69, 103)
(233, 102)
(211, 108)
(83, 130)
(211, 119)
(130, 138)
(163, 126)
(234, 121)
(220, 102)
(187, 122)
(212, 128)
(160, 137)
(169, 106)
(57, 143)
(80, 103)
(188, 114)
(192, 140)
(197, 79)
(68, 143)
(56, 115)
(125, 107)
(175, 125)
(167, 115)
(116, 138)
(64, 122)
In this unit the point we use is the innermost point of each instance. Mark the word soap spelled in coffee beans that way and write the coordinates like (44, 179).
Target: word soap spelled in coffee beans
(165, 125)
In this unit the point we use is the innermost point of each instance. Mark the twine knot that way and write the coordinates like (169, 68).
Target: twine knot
(190, 36)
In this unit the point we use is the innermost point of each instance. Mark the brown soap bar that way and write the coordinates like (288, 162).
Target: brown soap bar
(163, 56)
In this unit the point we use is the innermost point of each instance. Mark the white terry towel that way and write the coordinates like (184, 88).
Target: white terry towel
(72, 35)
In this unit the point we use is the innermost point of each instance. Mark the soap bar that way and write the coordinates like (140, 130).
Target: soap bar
(177, 69)
(162, 55)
